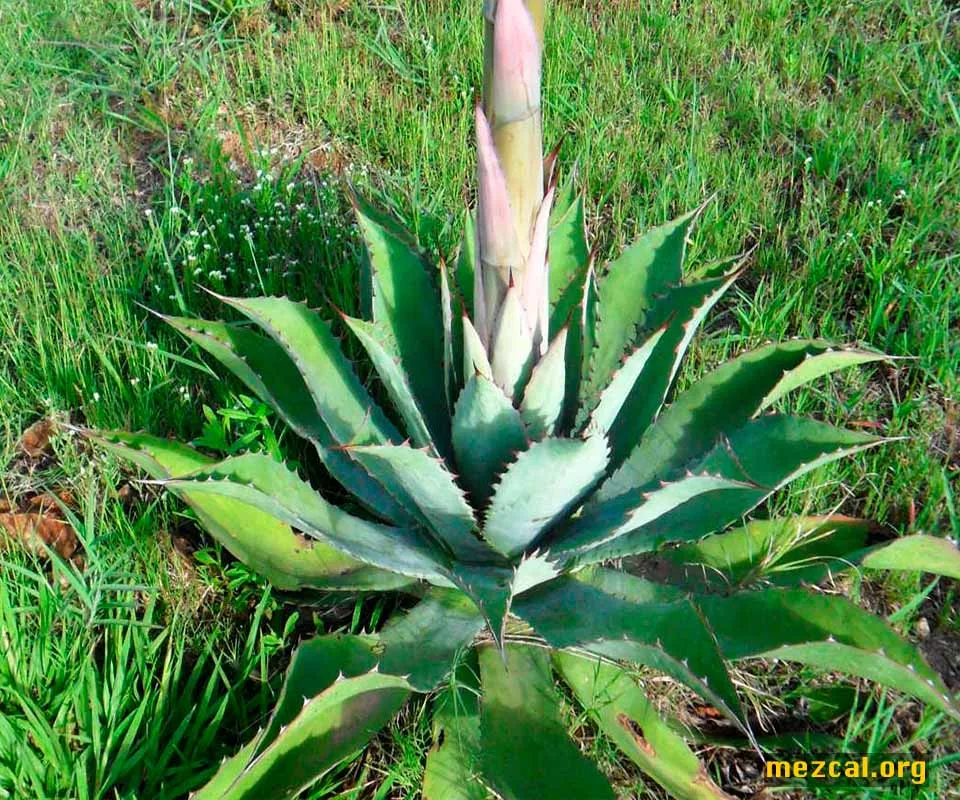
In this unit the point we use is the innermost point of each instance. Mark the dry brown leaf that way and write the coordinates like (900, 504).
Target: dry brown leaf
(35, 440)
(33, 530)
(48, 502)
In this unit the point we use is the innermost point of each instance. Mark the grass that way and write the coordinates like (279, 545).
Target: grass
(148, 149)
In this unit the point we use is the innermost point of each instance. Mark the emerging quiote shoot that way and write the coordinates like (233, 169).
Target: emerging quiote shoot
(553, 507)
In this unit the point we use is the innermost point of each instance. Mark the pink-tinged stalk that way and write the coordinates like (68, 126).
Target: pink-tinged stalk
(513, 109)
(536, 278)
(499, 253)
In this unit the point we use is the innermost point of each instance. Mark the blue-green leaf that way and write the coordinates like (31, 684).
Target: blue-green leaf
(629, 287)
(487, 434)
(542, 486)
(719, 404)
(406, 301)
(422, 483)
(260, 481)
(526, 752)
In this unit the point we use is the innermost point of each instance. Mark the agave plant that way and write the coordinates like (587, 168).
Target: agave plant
(530, 489)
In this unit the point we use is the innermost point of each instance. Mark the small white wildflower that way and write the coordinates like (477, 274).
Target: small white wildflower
(174, 210)
(96, 397)
(152, 345)
(148, 212)
(134, 381)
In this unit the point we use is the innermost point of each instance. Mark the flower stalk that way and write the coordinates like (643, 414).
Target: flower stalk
(512, 211)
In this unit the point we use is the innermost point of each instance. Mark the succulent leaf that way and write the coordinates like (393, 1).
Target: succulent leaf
(382, 350)
(532, 570)
(623, 385)
(773, 449)
(406, 301)
(621, 708)
(290, 562)
(267, 370)
(916, 553)
(423, 644)
(316, 665)
(487, 434)
(718, 404)
(512, 352)
(260, 481)
(453, 764)
(784, 552)
(418, 648)
(580, 343)
(568, 248)
(825, 631)
(519, 513)
(450, 345)
(344, 405)
(679, 314)
(263, 365)
(491, 590)
(758, 459)
(427, 489)
(475, 361)
(535, 289)
(543, 397)
(628, 289)
(467, 259)
(602, 524)
(632, 621)
(526, 752)
(330, 727)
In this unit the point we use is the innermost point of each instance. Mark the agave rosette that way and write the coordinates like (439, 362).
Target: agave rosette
(532, 447)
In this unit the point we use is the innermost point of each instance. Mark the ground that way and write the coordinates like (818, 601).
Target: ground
(148, 149)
